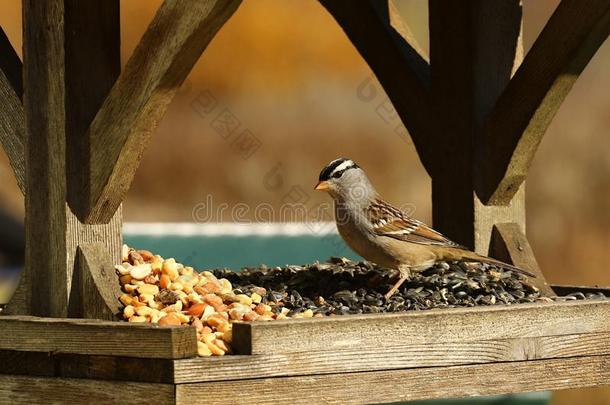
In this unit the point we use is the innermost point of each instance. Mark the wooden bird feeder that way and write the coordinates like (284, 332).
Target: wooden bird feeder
(74, 126)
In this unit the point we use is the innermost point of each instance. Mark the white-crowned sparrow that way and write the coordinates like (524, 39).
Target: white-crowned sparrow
(384, 234)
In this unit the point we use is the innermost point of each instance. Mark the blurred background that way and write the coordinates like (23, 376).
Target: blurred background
(276, 96)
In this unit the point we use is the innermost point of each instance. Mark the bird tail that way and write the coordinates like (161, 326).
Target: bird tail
(484, 259)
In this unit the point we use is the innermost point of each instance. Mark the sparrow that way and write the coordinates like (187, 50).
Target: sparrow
(384, 234)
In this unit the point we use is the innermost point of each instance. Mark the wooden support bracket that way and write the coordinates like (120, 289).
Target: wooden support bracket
(508, 243)
(96, 283)
(174, 41)
(10, 64)
(12, 117)
(388, 46)
(525, 109)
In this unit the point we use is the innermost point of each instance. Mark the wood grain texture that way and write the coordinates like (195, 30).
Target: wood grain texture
(114, 368)
(25, 333)
(387, 45)
(12, 118)
(10, 64)
(406, 385)
(522, 114)
(99, 289)
(508, 243)
(486, 216)
(16, 389)
(174, 41)
(21, 301)
(474, 47)
(453, 325)
(356, 359)
(379, 356)
(44, 100)
(27, 363)
(75, 233)
(108, 235)
(94, 367)
(93, 64)
(54, 79)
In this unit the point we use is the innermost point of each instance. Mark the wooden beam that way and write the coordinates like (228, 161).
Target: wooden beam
(474, 47)
(39, 364)
(387, 45)
(452, 325)
(12, 118)
(114, 368)
(526, 108)
(10, 64)
(349, 388)
(93, 64)
(380, 357)
(39, 390)
(59, 39)
(174, 41)
(78, 336)
(355, 359)
(563, 289)
(407, 384)
(97, 284)
(96, 367)
(508, 243)
(44, 105)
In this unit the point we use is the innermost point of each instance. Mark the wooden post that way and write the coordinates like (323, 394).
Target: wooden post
(476, 127)
(71, 59)
(83, 119)
(474, 47)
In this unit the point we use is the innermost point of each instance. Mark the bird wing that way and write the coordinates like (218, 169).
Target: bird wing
(390, 221)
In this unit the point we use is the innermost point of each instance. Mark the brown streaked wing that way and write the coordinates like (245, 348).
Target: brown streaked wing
(389, 221)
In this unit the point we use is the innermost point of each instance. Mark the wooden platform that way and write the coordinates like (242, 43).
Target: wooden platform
(350, 359)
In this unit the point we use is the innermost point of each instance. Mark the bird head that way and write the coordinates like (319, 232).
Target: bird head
(343, 178)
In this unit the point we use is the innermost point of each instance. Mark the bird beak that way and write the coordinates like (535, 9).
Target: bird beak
(323, 185)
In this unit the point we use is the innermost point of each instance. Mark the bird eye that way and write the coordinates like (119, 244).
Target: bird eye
(337, 175)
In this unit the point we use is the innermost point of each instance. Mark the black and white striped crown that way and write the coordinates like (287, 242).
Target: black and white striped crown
(336, 168)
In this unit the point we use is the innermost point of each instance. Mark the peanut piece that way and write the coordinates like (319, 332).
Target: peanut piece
(170, 319)
(141, 271)
(148, 289)
(203, 350)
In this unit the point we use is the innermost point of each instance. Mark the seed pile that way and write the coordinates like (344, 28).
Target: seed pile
(162, 291)
(341, 287)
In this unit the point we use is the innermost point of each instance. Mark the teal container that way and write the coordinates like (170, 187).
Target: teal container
(209, 246)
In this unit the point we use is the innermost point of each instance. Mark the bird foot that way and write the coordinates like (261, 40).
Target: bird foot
(396, 286)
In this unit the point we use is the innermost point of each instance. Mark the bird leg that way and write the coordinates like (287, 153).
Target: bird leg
(404, 276)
